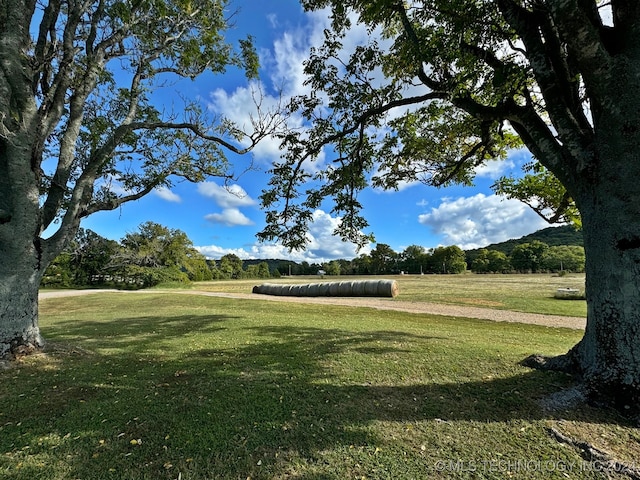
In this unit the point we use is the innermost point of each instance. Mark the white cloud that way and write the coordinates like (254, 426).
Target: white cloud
(285, 64)
(272, 18)
(494, 169)
(230, 196)
(244, 107)
(231, 217)
(477, 221)
(323, 245)
(215, 252)
(289, 53)
(168, 195)
(258, 251)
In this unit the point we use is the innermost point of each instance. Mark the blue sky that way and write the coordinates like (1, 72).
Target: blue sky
(219, 221)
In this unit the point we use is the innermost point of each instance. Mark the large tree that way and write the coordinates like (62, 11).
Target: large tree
(79, 132)
(444, 85)
(90, 256)
(156, 253)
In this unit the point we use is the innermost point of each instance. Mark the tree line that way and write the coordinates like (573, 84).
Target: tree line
(148, 257)
(529, 257)
(156, 254)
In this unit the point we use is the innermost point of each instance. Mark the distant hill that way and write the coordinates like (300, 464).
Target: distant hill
(552, 236)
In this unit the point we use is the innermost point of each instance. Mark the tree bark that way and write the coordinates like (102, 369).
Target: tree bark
(609, 353)
(23, 254)
(608, 356)
(19, 331)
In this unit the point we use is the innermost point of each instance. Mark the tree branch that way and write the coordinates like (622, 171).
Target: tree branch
(529, 27)
(540, 141)
(358, 124)
(44, 50)
(583, 38)
(462, 101)
(116, 202)
(430, 82)
(96, 56)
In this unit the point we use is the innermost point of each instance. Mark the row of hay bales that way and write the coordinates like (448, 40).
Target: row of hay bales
(356, 288)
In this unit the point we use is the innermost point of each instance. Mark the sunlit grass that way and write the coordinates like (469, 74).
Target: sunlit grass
(154, 386)
(521, 293)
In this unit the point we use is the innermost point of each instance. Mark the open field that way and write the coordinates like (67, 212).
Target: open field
(160, 385)
(520, 293)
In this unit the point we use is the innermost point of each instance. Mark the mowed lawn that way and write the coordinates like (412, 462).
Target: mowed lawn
(166, 386)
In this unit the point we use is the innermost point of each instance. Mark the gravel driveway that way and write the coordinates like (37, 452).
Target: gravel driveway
(378, 303)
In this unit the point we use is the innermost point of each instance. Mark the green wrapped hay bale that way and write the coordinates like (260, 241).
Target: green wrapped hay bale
(356, 288)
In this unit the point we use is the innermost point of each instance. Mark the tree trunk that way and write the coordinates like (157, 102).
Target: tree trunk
(19, 332)
(608, 356)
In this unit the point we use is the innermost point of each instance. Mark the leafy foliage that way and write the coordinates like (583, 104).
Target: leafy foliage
(564, 258)
(490, 261)
(158, 254)
(437, 89)
(543, 192)
(87, 259)
(78, 92)
(528, 257)
(153, 255)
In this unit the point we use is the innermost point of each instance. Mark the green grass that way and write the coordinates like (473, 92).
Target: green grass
(162, 386)
(521, 293)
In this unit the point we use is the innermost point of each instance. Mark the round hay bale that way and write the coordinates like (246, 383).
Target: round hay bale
(343, 289)
(334, 289)
(272, 289)
(370, 288)
(294, 291)
(313, 289)
(358, 289)
(323, 289)
(261, 289)
(381, 288)
(393, 288)
(278, 289)
(305, 290)
(361, 288)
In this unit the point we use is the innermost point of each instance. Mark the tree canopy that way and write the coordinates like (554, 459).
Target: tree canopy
(79, 131)
(442, 86)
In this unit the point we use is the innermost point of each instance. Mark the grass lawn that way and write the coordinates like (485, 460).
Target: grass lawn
(162, 386)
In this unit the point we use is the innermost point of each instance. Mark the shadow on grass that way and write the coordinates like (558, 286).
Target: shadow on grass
(254, 410)
(138, 333)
